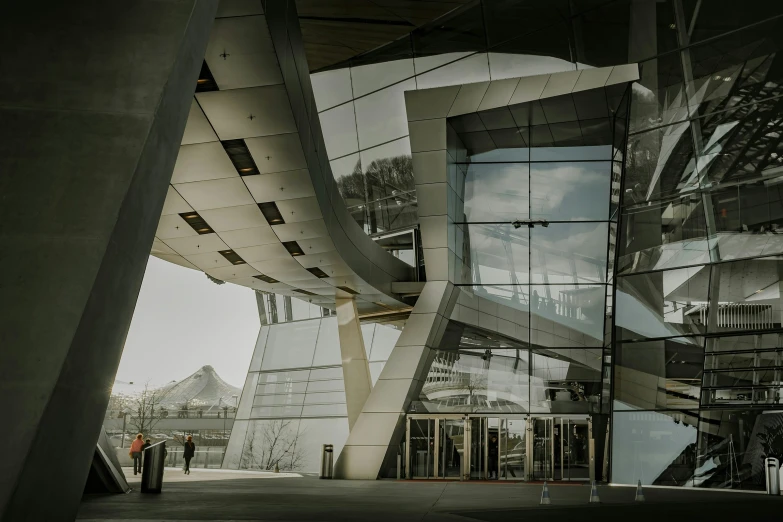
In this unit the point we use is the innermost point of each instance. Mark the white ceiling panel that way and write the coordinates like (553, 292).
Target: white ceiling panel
(177, 260)
(246, 113)
(159, 247)
(172, 226)
(291, 275)
(202, 161)
(337, 269)
(323, 291)
(202, 195)
(319, 260)
(283, 263)
(300, 209)
(303, 230)
(233, 272)
(280, 186)
(248, 237)
(316, 245)
(234, 218)
(188, 246)
(174, 203)
(240, 53)
(197, 129)
(277, 153)
(263, 252)
(208, 260)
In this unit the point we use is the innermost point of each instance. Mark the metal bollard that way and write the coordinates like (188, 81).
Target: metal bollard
(327, 461)
(399, 466)
(772, 470)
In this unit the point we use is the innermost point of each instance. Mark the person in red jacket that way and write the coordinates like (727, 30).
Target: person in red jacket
(135, 453)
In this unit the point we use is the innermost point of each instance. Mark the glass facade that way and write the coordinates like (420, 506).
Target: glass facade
(294, 396)
(623, 242)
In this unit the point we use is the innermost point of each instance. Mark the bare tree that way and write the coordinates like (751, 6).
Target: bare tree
(476, 384)
(275, 442)
(145, 410)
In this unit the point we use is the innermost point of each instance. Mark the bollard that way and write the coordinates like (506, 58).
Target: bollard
(545, 501)
(594, 499)
(639, 493)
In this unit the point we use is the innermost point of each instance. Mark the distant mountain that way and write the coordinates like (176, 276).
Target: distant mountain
(204, 389)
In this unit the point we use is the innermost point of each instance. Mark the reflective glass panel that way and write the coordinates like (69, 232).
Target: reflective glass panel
(270, 442)
(570, 191)
(381, 116)
(658, 374)
(339, 130)
(327, 349)
(460, 381)
(497, 191)
(663, 304)
(499, 254)
(733, 445)
(653, 447)
(567, 315)
(280, 352)
(565, 380)
(567, 253)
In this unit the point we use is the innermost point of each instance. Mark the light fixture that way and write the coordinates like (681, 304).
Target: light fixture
(530, 223)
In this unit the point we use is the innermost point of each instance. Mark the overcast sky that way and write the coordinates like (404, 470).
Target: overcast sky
(184, 321)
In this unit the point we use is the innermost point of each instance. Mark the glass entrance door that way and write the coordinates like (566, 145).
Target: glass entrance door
(512, 449)
(561, 448)
(422, 448)
(543, 465)
(576, 449)
(452, 447)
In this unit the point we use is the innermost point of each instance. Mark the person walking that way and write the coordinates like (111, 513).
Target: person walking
(189, 453)
(135, 452)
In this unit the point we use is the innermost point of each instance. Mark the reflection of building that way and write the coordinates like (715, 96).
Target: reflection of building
(573, 207)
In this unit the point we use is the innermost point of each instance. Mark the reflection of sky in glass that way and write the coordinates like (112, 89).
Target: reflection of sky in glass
(570, 191)
(496, 192)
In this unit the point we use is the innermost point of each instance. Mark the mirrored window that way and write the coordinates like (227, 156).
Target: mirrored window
(654, 447)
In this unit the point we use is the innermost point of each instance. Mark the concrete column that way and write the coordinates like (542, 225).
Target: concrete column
(356, 369)
(93, 98)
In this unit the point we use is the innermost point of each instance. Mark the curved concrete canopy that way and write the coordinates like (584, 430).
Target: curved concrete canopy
(252, 199)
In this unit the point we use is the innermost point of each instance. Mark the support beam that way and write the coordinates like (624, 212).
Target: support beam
(93, 98)
(356, 369)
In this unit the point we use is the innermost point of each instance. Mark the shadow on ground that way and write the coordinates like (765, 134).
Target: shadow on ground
(310, 499)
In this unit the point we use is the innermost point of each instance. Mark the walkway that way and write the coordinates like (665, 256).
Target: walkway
(229, 496)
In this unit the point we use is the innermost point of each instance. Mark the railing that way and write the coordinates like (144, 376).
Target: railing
(202, 459)
(741, 315)
(177, 414)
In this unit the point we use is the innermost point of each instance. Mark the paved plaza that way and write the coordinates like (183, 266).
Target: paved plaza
(216, 495)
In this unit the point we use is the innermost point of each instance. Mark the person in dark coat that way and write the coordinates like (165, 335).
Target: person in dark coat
(190, 452)
(492, 467)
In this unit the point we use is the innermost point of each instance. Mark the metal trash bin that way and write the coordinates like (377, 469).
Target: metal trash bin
(152, 471)
(772, 470)
(327, 461)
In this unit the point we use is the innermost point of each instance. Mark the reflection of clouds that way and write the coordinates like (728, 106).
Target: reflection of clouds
(571, 250)
(585, 187)
(496, 190)
(559, 191)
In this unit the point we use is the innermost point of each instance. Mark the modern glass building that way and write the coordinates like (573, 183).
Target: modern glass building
(611, 237)
(491, 239)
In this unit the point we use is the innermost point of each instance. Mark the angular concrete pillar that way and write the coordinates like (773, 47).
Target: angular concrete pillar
(356, 369)
(93, 102)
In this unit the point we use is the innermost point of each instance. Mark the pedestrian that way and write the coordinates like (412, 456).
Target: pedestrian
(493, 457)
(189, 453)
(135, 453)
